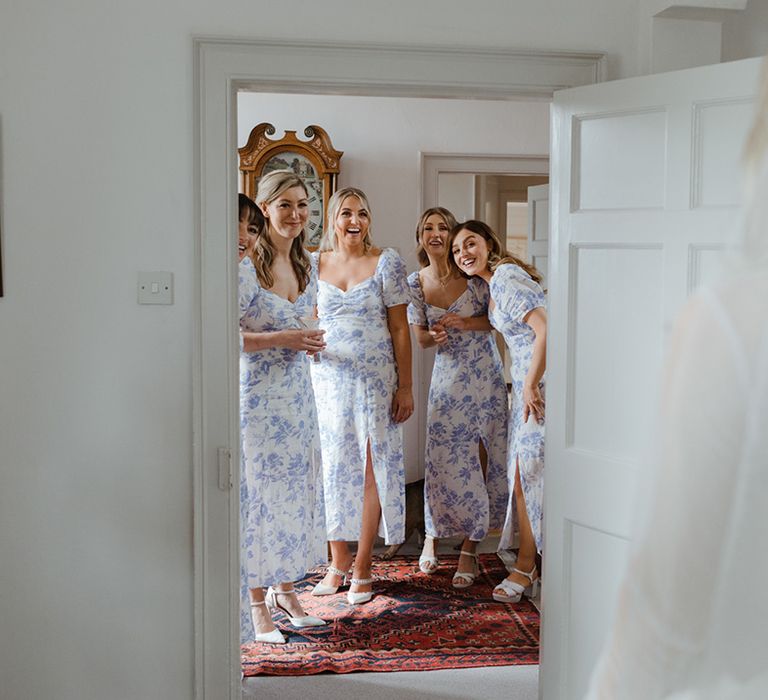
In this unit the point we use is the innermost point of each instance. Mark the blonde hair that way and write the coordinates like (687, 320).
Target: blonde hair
(271, 186)
(328, 241)
(497, 253)
(446, 216)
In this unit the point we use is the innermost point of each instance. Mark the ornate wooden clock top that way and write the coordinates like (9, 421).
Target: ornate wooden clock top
(316, 161)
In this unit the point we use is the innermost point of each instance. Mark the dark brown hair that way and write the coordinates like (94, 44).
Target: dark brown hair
(248, 211)
(497, 253)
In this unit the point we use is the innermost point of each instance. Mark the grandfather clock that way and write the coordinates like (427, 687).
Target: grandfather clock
(316, 161)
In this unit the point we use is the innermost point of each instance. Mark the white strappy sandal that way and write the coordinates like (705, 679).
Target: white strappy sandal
(510, 592)
(428, 565)
(356, 598)
(272, 637)
(464, 579)
(324, 589)
(303, 621)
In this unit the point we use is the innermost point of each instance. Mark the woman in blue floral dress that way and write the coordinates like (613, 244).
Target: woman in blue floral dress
(465, 484)
(363, 391)
(517, 311)
(281, 487)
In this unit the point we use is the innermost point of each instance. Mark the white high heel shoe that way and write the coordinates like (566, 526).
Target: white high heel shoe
(355, 598)
(273, 637)
(510, 592)
(304, 621)
(428, 565)
(464, 579)
(324, 589)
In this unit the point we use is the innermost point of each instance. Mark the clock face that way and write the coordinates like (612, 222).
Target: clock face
(299, 164)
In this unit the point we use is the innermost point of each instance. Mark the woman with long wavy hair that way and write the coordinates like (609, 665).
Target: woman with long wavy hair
(465, 480)
(517, 310)
(281, 486)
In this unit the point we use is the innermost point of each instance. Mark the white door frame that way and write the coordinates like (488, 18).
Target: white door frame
(432, 164)
(222, 68)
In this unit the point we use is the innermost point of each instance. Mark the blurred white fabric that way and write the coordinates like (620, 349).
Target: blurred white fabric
(692, 616)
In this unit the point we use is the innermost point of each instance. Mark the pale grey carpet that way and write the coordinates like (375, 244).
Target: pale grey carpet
(491, 683)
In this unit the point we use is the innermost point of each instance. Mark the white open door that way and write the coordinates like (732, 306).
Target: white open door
(645, 187)
(538, 229)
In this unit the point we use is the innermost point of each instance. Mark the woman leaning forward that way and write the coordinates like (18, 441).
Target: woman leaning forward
(517, 311)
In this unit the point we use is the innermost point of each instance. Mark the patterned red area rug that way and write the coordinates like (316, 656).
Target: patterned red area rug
(415, 622)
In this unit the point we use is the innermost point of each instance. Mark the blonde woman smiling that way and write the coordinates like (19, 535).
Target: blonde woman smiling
(363, 390)
(281, 507)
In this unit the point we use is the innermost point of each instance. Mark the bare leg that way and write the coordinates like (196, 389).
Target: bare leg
(289, 600)
(483, 458)
(429, 552)
(262, 620)
(341, 559)
(466, 564)
(526, 557)
(370, 526)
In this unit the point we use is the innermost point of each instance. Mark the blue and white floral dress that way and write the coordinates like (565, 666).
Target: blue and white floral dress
(515, 294)
(281, 509)
(355, 382)
(467, 403)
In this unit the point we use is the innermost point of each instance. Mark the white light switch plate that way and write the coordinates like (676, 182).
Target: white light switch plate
(155, 288)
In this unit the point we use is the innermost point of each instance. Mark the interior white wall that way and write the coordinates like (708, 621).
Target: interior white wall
(684, 43)
(745, 34)
(96, 112)
(382, 138)
(456, 192)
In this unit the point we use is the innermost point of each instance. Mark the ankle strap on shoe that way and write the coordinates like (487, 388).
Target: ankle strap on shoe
(278, 591)
(468, 554)
(528, 575)
(258, 602)
(361, 581)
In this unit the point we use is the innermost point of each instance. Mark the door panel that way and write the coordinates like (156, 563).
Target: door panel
(619, 160)
(645, 188)
(538, 229)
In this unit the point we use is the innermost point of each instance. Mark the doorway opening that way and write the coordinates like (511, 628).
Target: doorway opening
(396, 164)
(222, 68)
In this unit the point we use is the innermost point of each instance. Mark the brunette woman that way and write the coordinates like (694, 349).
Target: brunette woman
(517, 311)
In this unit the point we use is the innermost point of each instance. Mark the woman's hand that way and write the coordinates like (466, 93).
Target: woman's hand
(465, 323)
(452, 320)
(397, 322)
(308, 340)
(533, 403)
(402, 404)
(439, 333)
